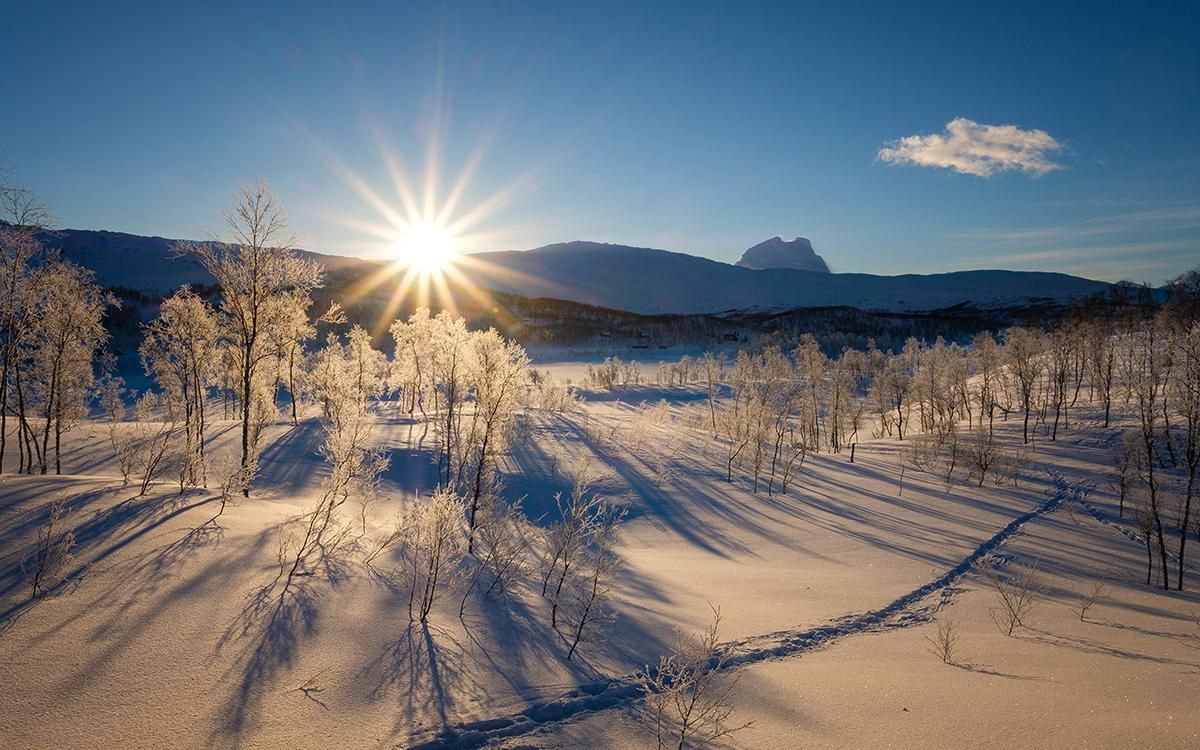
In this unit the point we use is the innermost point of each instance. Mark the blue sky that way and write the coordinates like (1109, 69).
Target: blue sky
(700, 127)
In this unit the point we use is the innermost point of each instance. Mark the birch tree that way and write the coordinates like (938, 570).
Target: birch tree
(178, 350)
(68, 332)
(262, 279)
(497, 373)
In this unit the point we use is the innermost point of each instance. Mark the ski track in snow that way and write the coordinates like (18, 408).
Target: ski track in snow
(621, 691)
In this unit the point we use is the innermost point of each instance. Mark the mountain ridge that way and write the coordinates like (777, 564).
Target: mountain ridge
(637, 279)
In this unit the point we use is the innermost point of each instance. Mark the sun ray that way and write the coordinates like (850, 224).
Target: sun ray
(429, 226)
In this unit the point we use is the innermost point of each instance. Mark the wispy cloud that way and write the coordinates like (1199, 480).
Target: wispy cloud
(1169, 218)
(1150, 244)
(981, 150)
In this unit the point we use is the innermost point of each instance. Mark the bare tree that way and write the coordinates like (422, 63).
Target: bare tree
(1087, 599)
(19, 254)
(20, 208)
(689, 696)
(503, 536)
(982, 452)
(944, 644)
(1126, 468)
(712, 378)
(1147, 390)
(354, 469)
(1184, 389)
(121, 437)
(1102, 356)
(155, 427)
(1016, 595)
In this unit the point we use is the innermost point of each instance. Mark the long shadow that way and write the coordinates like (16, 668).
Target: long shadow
(984, 669)
(272, 625)
(905, 610)
(636, 394)
(145, 575)
(128, 521)
(1095, 647)
(119, 630)
(288, 464)
(270, 628)
(411, 469)
(428, 667)
(672, 506)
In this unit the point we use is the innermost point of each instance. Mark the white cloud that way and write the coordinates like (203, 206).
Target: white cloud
(981, 150)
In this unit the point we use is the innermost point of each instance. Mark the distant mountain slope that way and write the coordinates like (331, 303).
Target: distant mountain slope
(655, 281)
(148, 264)
(779, 253)
(641, 280)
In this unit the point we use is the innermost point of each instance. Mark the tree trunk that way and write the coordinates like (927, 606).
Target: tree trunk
(1183, 526)
(246, 378)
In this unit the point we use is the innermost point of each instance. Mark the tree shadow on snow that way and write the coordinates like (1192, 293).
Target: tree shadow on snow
(269, 630)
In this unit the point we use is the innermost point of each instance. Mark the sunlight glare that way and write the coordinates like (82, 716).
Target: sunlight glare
(426, 248)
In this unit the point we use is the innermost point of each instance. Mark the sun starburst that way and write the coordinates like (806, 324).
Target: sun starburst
(428, 235)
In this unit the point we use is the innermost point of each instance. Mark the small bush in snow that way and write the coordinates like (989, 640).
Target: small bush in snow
(689, 698)
(944, 644)
(1016, 595)
(50, 560)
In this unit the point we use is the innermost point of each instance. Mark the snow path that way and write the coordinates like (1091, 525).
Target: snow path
(619, 691)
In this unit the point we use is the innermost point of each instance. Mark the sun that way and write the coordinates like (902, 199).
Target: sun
(426, 248)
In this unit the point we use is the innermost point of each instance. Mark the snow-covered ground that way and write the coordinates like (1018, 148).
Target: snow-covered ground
(829, 593)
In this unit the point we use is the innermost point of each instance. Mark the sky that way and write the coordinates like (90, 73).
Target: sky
(898, 138)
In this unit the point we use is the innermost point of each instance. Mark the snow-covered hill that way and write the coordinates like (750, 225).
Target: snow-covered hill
(636, 279)
(657, 281)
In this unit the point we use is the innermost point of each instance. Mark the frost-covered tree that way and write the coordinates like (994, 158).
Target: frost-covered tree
(1063, 347)
(345, 376)
(496, 373)
(1147, 389)
(1102, 359)
(52, 555)
(689, 696)
(154, 433)
(179, 349)
(262, 280)
(1023, 351)
(988, 363)
(433, 544)
(67, 333)
(121, 437)
(1184, 389)
(810, 368)
(503, 536)
(591, 585)
(736, 417)
(845, 376)
(567, 539)
(19, 253)
(412, 369)
(292, 333)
